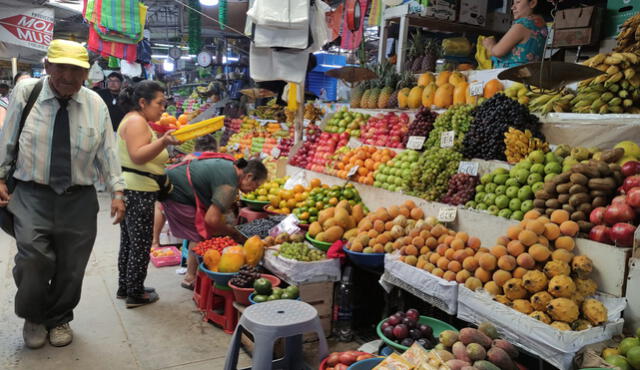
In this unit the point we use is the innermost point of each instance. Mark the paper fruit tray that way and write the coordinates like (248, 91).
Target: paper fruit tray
(165, 256)
(554, 346)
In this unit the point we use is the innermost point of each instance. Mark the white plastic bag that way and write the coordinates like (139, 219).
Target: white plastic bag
(280, 13)
(96, 74)
(272, 37)
(289, 225)
(130, 69)
(303, 272)
(299, 178)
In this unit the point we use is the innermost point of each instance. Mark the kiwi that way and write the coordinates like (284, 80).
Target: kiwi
(550, 187)
(553, 203)
(539, 203)
(569, 208)
(607, 184)
(578, 178)
(585, 226)
(562, 178)
(598, 193)
(599, 202)
(563, 188)
(542, 194)
(578, 216)
(577, 199)
(577, 188)
(563, 198)
(585, 208)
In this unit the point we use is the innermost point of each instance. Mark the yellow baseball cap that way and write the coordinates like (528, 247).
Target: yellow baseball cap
(68, 52)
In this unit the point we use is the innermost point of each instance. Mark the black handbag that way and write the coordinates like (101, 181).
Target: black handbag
(6, 217)
(165, 185)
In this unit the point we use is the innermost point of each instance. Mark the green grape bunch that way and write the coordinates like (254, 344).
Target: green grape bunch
(301, 252)
(435, 168)
(457, 118)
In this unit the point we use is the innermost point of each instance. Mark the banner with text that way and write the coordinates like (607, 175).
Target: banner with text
(31, 28)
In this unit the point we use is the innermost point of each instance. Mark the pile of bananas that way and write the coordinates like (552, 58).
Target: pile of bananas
(540, 102)
(270, 111)
(616, 91)
(629, 37)
(519, 144)
(312, 113)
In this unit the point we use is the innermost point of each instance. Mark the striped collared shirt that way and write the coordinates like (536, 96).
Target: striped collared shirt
(93, 149)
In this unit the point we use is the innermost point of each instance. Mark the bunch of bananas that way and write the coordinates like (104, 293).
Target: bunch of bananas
(312, 113)
(629, 37)
(519, 144)
(540, 102)
(615, 91)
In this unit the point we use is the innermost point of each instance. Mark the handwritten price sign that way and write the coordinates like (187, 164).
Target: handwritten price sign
(447, 138)
(476, 89)
(275, 153)
(415, 142)
(353, 171)
(470, 168)
(447, 214)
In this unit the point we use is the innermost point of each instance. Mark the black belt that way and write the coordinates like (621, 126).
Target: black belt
(70, 189)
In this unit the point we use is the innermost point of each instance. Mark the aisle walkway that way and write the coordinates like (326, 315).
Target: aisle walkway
(169, 334)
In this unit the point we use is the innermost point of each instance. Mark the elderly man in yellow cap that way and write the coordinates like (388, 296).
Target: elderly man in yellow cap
(57, 139)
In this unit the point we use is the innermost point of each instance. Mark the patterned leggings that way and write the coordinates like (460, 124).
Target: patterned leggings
(136, 234)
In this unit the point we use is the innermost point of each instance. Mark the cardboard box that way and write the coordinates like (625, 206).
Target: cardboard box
(473, 12)
(577, 27)
(497, 21)
(442, 9)
(617, 12)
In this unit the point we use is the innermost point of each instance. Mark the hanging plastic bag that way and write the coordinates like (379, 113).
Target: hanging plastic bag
(95, 73)
(456, 47)
(482, 55)
(287, 14)
(298, 179)
(130, 69)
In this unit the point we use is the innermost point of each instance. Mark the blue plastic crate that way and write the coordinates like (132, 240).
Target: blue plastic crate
(317, 81)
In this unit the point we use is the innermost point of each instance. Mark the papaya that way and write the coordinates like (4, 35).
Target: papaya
(253, 250)
(232, 259)
(211, 259)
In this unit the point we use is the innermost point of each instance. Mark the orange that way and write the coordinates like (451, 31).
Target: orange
(315, 183)
(183, 119)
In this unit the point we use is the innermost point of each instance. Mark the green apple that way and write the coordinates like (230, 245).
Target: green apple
(533, 178)
(550, 177)
(537, 156)
(490, 187)
(522, 175)
(500, 171)
(489, 199)
(551, 157)
(526, 206)
(479, 196)
(512, 191)
(515, 204)
(505, 213)
(517, 215)
(487, 178)
(500, 178)
(500, 189)
(537, 168)
(479, 188)
(493, 210)
(537, 186)
(525, 193)
(512, 182)
(552, 167)
(502, 201)
(525, 164)
(481, 207)
(470, 204)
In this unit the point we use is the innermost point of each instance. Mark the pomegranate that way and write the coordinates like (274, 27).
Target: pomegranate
(620, 199)
(622, 234)
(619, 212)
(600, 233)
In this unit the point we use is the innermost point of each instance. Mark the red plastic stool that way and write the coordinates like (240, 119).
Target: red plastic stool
(246, 215)
(202, 290)
(221, 298)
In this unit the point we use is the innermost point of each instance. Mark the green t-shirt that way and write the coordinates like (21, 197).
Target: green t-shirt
(215, 181)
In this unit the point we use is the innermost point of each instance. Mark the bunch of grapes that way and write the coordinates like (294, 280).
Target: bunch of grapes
(301, 252)
(457, 118)
(422, 124)
(431, 177)
(491, 120)
(462, 188)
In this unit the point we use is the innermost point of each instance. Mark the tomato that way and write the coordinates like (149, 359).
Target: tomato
(333, 359)
(347, 358)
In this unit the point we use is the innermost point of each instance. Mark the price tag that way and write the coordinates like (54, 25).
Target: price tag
(235, 147)
(476, 89)
(470, 168)
(275, 153)
(446, 139)
(263, 122)
(354, 143)
(284, 127)
(306, 122)
(447, 214)
(353, 171)
(415, 142)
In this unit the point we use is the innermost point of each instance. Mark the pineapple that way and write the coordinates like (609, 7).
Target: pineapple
(430, 56)
(365, 96)
(372, 100)
(418, 45)
(385, 94)
(356, 95)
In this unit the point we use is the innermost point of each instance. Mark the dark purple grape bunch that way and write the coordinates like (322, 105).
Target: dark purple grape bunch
(422, 124)
(462, 188)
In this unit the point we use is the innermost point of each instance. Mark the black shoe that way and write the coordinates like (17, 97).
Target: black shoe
(122, 293)
(142, 300)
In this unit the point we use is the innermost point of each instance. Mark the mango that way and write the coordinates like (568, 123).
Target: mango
(333, 233)
(500, 358)
(471, 335)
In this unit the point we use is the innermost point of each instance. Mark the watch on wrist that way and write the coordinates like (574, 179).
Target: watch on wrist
(119, 197)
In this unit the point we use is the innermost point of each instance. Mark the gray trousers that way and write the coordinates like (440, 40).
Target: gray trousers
(55, 235)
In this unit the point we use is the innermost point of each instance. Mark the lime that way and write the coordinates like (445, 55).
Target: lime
(293, 291)
(262, 286)
(260, 298)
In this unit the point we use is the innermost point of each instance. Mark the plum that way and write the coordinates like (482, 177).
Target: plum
(400, 331)
(413, 313)
(415, 333)
(394, 320)
(426, 330)
(409, 322)
(407, 342)
(388, 332)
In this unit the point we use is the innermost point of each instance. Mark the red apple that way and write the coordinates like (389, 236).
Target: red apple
(631, 182)
(597, 216)
(618, 212)
(622, 234)
(633, 197)
(620, 199)
(631, 168)
(600, 233)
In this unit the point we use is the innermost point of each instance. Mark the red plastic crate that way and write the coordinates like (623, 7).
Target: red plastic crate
(170, 260)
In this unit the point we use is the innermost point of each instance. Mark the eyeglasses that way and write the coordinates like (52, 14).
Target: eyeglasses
(113, 80)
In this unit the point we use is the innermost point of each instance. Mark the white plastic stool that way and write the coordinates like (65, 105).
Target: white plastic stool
(268, 321)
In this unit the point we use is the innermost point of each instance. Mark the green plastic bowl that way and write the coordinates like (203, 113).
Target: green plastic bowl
(255, 205)
(323, 246)
(437, 326)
